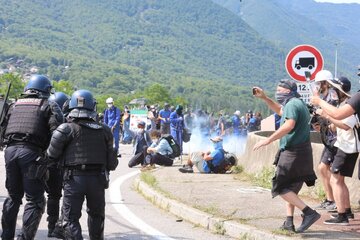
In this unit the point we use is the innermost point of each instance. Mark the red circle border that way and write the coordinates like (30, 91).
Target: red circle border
(300, 48)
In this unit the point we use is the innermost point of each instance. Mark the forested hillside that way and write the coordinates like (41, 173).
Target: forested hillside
(329, 27)
(197, 49)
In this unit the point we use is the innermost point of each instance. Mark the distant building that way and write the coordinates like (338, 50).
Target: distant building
(4, 71)
(34, 69)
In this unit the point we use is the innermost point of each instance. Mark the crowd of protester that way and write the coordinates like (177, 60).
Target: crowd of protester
(159, 118)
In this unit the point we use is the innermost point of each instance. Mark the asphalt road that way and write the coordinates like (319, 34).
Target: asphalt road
(128, 214)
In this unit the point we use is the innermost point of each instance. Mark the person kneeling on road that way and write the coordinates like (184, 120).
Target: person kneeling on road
(158, 153)
(142, 141)
(209, 162)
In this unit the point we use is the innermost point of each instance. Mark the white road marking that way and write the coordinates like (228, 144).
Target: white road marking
(253, 190)
(120, 207)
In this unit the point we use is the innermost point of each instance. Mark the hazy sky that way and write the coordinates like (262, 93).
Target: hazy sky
(339, 1)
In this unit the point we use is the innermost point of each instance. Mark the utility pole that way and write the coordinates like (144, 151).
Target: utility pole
(336, 56)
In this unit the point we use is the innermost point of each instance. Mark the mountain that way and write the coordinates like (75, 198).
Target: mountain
(329, 27)
(197, 49)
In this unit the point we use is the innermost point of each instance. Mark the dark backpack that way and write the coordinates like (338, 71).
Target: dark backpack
(229, 160)
(186, 135)
(174, 146)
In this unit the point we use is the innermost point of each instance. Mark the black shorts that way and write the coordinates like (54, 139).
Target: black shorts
(327, 156)
(293, 187)
(344, 163)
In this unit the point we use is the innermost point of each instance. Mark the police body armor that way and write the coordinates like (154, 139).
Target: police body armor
(29, 122)
(85, 148)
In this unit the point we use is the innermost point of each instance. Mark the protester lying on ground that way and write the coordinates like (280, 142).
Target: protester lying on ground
(210, 162)
(158, 153)
(142, 141)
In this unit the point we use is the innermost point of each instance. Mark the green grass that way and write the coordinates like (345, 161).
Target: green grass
(213, 210)
(283, 232)
(219, 228)
(263, 178)
(148, 179)
(237, 169)
(320, 192)
(246, 236)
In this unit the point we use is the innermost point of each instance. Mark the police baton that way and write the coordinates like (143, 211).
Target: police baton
(3, 104)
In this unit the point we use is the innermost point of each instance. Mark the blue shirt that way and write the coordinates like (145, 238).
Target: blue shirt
(112, 117)
(236, 121)
(217, 157)
(165, 114)
(162, 147)
(176, 121)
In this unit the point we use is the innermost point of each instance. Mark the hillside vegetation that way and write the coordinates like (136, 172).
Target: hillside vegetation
(329, 27)
(196, 49)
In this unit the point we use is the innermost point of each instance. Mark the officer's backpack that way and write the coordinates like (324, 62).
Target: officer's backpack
(174, 146)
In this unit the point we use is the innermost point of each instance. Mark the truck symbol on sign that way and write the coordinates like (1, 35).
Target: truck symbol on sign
(306, 62)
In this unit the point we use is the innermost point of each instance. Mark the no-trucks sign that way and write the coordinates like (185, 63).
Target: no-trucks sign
(303, 58)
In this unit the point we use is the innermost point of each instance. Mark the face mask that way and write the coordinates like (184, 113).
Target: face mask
(155, 140)
(110, 105)
(283, 98)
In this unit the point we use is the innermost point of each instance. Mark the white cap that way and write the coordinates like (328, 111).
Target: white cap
(237, 112)
(323, 75)
(109, 100)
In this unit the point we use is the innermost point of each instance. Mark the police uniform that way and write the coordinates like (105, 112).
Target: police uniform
(85, 148)
(54, 181)
(30, 122)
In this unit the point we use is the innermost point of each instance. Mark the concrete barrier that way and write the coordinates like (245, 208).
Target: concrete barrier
(255, 161)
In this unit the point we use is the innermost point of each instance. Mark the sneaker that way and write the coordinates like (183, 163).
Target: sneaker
(348, 215)
(50, 231)
(285, 227)
(326, 203)
(308, 220)
(58, 232)
(333, 210)
(331, 206)
(186, 169)
(344, 221)
(147, 167)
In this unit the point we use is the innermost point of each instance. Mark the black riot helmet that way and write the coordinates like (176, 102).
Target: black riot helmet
(60, 98)
(82, 99)
(179, 109)
(40, 84)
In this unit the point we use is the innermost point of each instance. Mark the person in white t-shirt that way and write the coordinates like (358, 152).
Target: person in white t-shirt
(345, 159)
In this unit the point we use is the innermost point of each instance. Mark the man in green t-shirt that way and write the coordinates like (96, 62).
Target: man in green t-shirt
(294, 162)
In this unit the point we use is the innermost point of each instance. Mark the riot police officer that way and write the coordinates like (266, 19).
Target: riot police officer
(54, 182)
(29, 124)
(85, 148)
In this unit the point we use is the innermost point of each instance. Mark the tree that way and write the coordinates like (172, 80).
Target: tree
(64, 86)
(17, 85)
(157, 93)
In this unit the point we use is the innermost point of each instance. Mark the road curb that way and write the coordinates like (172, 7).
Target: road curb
(197, 217)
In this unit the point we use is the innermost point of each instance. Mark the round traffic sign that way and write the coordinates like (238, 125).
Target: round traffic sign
(303, 58)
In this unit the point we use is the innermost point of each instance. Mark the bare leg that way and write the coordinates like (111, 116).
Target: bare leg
(293, 199)
(325, 175)
(341, 192)
(289, 209)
